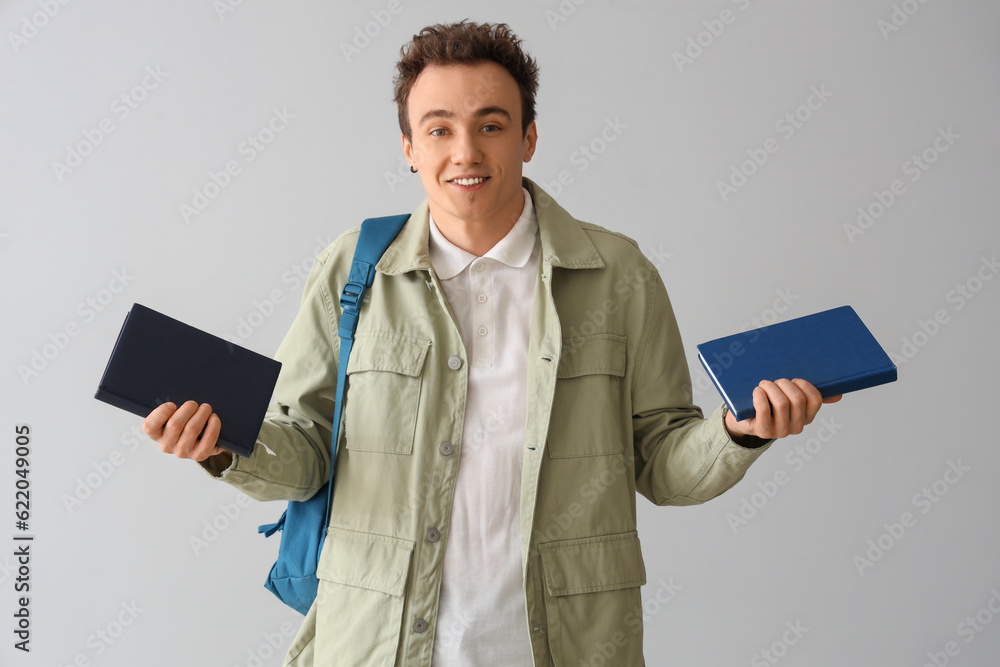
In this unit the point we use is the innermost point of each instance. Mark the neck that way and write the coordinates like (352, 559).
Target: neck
(477, 236)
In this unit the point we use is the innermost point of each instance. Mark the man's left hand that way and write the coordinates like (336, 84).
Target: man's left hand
(784, 407)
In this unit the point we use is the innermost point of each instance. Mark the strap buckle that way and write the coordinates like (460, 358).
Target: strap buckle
(352, 296)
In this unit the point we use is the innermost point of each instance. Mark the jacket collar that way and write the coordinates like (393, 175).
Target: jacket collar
(564, 241)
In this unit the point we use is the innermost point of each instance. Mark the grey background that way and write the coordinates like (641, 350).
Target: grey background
(725, 261)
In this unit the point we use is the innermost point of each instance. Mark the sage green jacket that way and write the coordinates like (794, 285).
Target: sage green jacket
(609, 413)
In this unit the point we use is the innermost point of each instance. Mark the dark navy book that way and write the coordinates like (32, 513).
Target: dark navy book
(832, 349)
(157, 359)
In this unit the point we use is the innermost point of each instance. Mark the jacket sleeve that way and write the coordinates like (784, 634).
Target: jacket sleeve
(680, 458)
(291, 459)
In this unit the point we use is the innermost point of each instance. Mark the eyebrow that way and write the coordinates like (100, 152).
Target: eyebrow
(444, 113)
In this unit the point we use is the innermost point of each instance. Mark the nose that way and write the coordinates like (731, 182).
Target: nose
(465, 148)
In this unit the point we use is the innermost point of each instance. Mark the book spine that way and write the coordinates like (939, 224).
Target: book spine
(239, 450)
(739, 412)
(122, 403)
(857, 382)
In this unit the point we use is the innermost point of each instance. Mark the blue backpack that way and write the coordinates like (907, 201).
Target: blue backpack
(303, 524)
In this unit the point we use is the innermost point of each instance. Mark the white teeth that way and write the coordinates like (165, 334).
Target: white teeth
(469, 181)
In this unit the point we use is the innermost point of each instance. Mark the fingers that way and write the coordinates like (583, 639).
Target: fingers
(778, 406)
(762, 421)
(796, 406)
(789, 408)
(206, 446)
(153, 423)
(178, 431)
(813, 400)
(786, 407)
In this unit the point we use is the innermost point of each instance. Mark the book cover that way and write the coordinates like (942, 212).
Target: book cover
(158, 359)
(832, 349)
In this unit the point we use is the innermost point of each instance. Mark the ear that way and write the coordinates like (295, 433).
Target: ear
(530, 139)
(407, 148)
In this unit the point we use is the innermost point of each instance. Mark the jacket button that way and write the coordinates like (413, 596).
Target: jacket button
(433, 535)
(454, 363)
(420, 625)
(446, 448)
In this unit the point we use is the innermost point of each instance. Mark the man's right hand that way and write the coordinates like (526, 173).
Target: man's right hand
(176, 430)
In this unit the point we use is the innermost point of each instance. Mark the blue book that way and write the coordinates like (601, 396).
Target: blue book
(832, 349)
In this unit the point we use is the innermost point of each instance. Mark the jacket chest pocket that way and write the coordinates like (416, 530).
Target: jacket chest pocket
(383, 392)
(586, 407)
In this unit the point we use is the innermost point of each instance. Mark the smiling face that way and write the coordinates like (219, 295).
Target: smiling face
(468, 146)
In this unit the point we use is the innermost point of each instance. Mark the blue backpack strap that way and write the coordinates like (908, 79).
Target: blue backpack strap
(293, 576)
(376, 235)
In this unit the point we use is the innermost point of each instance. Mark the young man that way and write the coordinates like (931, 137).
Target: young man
(484, 508)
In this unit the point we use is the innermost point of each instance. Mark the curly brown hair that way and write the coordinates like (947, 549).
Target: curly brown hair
(465, 43)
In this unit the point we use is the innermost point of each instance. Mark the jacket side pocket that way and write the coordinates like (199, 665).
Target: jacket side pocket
(592, 599)
(359, 607)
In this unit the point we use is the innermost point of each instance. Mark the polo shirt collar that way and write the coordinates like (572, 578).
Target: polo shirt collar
(514, 249)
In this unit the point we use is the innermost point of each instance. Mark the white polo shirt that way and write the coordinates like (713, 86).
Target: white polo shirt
(482, 618)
